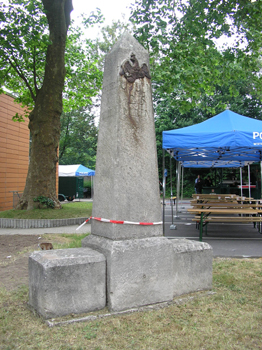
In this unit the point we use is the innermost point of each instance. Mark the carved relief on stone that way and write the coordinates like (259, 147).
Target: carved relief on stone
(135, 103)
(131, 71)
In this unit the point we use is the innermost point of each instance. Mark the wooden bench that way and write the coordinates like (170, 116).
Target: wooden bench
(243, 219)
(213, 195)
(255, 220)
(203, 216)
(229, 205)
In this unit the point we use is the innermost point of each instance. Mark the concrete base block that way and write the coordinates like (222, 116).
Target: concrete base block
(192, 266)
(139, 271)
(66, 281)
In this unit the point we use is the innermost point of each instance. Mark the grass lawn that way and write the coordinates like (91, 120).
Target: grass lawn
(229, 319)
(69, 210)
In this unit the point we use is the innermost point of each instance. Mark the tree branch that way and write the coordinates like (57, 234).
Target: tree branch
(34, 72)
(66, 139)
(22, 76)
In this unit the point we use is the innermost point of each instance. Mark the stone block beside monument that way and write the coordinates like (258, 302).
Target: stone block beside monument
(67, 281)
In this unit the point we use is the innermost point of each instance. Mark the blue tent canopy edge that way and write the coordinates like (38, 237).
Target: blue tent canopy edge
(227, 139)
(84, 171)
(75, 170)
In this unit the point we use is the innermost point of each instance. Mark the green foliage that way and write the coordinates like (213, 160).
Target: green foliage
(83, 74)
(110, 35)
(24, 39)
(193, 78)
(45, 202)
(78, 138)
(182, 39)
(87, 183)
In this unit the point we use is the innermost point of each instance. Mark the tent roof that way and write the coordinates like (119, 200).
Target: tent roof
(75, 170)
(227, 137)
(214, 164)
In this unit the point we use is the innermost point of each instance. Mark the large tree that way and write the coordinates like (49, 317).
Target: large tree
(33, 39)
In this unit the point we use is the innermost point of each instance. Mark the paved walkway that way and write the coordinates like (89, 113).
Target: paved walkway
(40, 231)
(227, 240)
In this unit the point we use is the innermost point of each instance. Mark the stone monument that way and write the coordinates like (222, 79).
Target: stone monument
(126, 182)
(139, 268)
(125, 262)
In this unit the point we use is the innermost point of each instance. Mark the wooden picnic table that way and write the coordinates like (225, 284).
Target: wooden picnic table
(207, 213)
(213, 196)
(228, 205)
(216, 198)
(207, 198)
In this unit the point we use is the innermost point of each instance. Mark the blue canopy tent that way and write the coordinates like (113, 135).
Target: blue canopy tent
(75, 170)
(226, 137)
(225, 140)
(71, 180)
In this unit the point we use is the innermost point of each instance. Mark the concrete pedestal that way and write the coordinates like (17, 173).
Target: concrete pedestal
(139, 271)
(66, 281)
(192, 266)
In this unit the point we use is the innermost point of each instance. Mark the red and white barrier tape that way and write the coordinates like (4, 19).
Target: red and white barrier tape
(120, 222)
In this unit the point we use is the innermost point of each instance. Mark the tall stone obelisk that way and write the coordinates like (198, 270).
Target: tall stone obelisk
(126, 188)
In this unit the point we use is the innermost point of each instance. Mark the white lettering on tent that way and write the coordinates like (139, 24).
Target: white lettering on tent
(257, 134)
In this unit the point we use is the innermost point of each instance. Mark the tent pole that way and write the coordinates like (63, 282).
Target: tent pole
(182, 188)
(91, 186)
(177, 187)
(172, 227)
(221, 177)
(249, 189)
(179, 184)
(177, 192)
(260, 179)
(241, 183)
(171, 190)
(164, 186)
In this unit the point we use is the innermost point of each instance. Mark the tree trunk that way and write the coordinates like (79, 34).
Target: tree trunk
(44, 121)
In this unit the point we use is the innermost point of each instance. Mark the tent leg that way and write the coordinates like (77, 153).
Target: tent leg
(91, 187)
(241, 182)
(201, 228)
(177, 188)
(172, 226)
(260, 179)
(249, 188)
(164, 189)
(182, 186)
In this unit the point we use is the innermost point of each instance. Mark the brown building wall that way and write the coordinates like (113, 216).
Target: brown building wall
(14, 151)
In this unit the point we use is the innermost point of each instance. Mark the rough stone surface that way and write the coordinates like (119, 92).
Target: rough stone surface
(66, 281)
(192, 266)
(139, 271)
(126, 184)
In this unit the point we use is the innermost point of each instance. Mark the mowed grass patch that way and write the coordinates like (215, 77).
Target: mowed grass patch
(229, 319)
(64, 241)
(69, 210)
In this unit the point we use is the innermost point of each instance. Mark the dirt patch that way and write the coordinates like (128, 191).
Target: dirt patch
(14, 253)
